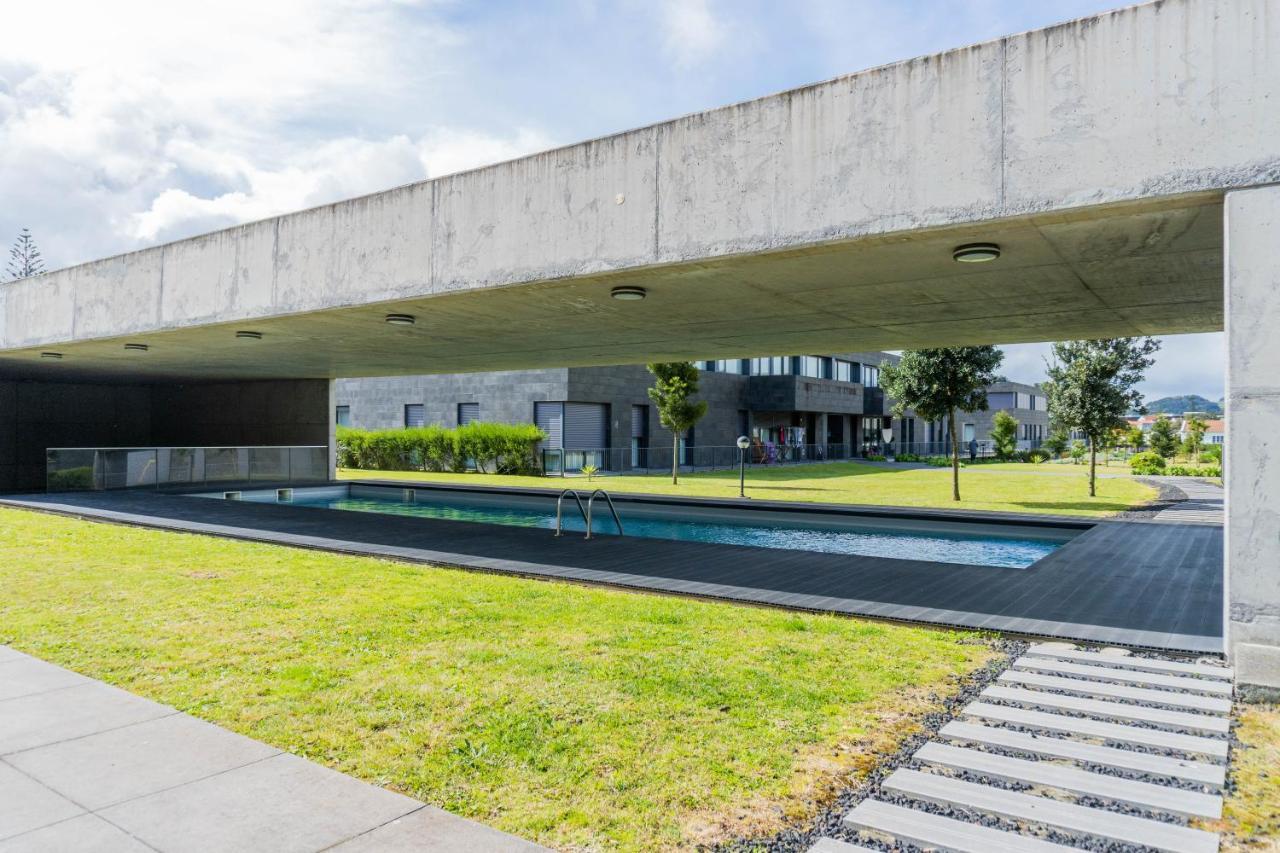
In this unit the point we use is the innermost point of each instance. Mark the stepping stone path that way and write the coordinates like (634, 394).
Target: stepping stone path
(1069, 749)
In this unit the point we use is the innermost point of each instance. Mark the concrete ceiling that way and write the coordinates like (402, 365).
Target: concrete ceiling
(1128, 269)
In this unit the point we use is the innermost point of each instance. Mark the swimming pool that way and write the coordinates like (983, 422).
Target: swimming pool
(822, 532)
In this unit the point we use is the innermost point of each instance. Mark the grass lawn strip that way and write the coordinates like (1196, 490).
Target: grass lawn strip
(854, 483)
(579, 717)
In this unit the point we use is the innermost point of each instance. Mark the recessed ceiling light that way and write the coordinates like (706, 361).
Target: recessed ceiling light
(401, 319)
(249, 336)
(628, 293)
(137, 347)
(976, 253)
(54, 355)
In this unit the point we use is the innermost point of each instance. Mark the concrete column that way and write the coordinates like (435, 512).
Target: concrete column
(1252, 462)
(333, 430)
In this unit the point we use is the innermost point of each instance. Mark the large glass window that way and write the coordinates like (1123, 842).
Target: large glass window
(847, 371)
(818, 367)
(731, 365)
(870, 376)
(773, 366)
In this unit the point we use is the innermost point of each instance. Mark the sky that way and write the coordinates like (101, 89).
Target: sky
(134, 122)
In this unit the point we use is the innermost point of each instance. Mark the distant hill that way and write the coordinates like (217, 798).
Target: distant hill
(1185, 403)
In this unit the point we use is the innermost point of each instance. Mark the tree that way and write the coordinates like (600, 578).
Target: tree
(675, 382)
(24, 257)
(1093, 384)
(1163, 439)
(937, 382)
(1004, 434)
(1058, 440)
(1135, 438)
(1196, 429)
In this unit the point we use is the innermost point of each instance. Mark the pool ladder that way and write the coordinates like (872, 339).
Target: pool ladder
(586, 513)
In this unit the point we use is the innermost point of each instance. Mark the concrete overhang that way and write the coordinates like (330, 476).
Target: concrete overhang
(1096, 153)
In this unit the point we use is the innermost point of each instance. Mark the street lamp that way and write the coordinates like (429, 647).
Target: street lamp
(743, 444)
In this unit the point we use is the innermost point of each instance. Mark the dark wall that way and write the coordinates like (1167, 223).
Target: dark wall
(35, 416)
(281, 412)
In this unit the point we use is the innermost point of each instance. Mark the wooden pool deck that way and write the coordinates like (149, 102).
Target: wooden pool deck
(1135, 583)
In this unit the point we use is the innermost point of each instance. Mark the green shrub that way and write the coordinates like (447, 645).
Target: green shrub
(1191, 471)
(1212, 453)
(1147, 462)
(1035, 457)
(909, 457)
(939, 461)
(875, 457)
(70, 480)
(490, 447)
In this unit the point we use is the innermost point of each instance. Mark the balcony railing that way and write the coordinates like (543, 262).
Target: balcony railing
(78, 469)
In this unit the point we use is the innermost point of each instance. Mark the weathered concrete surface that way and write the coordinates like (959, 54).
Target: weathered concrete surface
(1095, 151)
(1253, 434)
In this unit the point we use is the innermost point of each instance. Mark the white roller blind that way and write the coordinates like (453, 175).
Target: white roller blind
(584, 426)
(550, 419)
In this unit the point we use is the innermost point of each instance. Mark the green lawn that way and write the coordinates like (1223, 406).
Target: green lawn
(1251, 816)
(581, 717)
(983, 487)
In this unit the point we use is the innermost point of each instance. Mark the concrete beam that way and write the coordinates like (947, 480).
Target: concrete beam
(1154, 102)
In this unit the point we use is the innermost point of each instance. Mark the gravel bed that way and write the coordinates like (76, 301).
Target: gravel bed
(1167, 496)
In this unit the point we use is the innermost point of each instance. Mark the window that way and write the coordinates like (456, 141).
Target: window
(732, 365)
(870, 376)
(813, 366)
(847, 371)
(415, 415)
(705, 366)
(774, 366)
(468, 412)
(343, 416)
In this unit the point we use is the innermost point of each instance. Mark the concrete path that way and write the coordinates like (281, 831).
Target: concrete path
(1204, 503)
(87, 767)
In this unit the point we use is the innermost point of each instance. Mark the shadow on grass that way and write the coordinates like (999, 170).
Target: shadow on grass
(1100, 505)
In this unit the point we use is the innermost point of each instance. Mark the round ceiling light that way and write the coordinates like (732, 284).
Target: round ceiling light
(401, 319)
(53, 355)
(249, 336)
(628, 293)
(137, 347)
(976, 253)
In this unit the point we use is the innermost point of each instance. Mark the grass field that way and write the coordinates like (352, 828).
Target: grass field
(984, 487)
(584, 718)
(1251, 818)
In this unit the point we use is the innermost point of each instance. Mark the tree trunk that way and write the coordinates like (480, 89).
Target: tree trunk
(1093, 468)
(955, 457)
(675, 458)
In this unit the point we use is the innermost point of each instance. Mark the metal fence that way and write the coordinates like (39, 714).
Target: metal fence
(558, 462)
(77, 469)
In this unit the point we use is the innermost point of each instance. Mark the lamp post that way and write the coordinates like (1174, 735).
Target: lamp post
(887, 435)
(743, 444)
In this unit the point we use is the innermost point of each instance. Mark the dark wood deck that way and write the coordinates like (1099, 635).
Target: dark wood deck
(1133, 583)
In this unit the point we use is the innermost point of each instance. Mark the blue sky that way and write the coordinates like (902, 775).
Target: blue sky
(128, 123)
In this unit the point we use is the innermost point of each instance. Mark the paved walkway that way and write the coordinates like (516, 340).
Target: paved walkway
(1133, 749)
(1204, 503)
(87, 767)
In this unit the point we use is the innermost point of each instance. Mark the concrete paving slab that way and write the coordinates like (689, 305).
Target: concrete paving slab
(103, 769)
(935, 831)
(25, 804)
(58, 715)
(8, 654)
(1055, 702)
(85, 834)
(1106, 689)
(1084, 727)
(1142, 679)
(1107, 657)
(25, 676)
(300, 806)
(433, 830)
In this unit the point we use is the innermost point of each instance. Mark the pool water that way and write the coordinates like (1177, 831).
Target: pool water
(931, 545)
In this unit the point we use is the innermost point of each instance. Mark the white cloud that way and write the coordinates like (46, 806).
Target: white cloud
(693, 34)
(129, 122)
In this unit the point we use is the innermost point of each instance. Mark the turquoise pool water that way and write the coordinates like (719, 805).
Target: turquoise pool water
(943, 547)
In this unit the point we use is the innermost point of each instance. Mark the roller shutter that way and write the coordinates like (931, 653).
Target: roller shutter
(639, 421)
(468, 412)
(550, 419)
(584, 426)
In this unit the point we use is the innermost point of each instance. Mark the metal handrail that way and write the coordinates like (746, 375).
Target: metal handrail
(591, 500)
(586, 517)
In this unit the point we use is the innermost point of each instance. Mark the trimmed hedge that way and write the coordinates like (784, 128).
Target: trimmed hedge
(490, 448)
(1192, 471)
